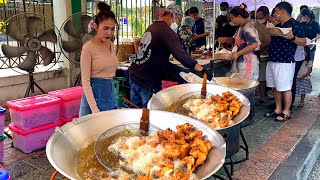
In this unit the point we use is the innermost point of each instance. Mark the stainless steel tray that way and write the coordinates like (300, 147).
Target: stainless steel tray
(63, 146)
(165, 98)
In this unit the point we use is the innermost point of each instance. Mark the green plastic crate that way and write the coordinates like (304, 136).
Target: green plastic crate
(122, 89)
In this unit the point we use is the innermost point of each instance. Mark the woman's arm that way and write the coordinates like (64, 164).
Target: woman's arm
(85, 66)
(248, 49)
(229, 40)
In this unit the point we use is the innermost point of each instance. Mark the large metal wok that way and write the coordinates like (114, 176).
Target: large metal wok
(231, 134)
(245, 86)
(165, 98)
(64, 145)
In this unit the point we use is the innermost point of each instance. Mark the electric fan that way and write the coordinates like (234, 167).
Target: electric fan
(34, 48)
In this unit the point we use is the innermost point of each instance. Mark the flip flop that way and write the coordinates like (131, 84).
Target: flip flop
(284, 116)
(301, 105)
(271, 114)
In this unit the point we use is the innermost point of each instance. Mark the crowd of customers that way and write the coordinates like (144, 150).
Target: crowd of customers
(281, 63)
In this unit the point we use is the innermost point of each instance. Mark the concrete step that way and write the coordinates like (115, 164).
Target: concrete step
(315, 172)
(299, 164)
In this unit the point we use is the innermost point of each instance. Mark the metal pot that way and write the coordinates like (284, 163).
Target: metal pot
(63, 146)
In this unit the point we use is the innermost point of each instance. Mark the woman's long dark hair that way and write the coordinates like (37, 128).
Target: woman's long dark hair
(104, 13)
(237, 11)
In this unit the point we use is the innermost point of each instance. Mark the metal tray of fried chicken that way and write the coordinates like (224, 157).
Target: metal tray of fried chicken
(167, 97)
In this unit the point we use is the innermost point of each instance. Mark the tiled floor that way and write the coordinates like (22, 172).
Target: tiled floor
(265, 138)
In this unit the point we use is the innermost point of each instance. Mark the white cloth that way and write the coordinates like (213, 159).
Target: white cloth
(299, 54)
(280, 75)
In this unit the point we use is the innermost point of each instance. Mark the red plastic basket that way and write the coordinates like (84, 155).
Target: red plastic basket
(166, 84)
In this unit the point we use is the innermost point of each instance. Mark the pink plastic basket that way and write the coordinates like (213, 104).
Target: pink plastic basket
(2, 148)
(35, 111)
(70, 103)
(2, 112)
(34, 139)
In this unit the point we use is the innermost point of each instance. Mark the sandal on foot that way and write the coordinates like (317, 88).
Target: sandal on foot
(284, 118)
(271, 114)
(260, 102)
(301, 105)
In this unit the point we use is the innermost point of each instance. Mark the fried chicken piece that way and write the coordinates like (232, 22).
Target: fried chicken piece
(180, 136)
(166, 135)
(201, 145)
(184, 150)
(224, 122)
(164, 162)
(219, 107)
(162, 172)
(185, 128)
(171, 153)
(187, 163)
(201, 157)
(144, 178)
(208, 143)
(178, 175)
(193, 135)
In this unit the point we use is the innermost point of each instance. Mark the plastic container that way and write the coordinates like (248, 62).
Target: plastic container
(66, 120)
(1, 149)
(4, 175)
(70, 101)
(35, 111)
(166, 84)
(34, 139)
(2, 111)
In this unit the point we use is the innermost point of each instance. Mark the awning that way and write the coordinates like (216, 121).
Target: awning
(270, 3)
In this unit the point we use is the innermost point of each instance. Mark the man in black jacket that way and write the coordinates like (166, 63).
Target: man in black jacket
(151, 62)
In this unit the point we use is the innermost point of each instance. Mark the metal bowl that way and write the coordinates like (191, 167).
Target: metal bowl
(63, 146)
(168, 96)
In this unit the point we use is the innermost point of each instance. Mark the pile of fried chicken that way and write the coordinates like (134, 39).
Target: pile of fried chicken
(184, 151)
(216, 111)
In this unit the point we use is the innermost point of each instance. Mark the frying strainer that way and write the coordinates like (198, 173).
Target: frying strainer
(109, 159)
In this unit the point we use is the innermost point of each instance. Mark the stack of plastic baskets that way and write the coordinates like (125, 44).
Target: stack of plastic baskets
(70, 102)
(33, 121)
(2, 137)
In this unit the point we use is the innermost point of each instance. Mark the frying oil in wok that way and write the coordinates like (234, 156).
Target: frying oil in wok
(89, 167)
(178, 106)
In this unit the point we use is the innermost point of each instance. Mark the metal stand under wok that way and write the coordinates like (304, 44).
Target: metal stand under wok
(249, 120)
(227, 172)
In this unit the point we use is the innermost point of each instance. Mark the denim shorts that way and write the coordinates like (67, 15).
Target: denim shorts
(104, 94)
